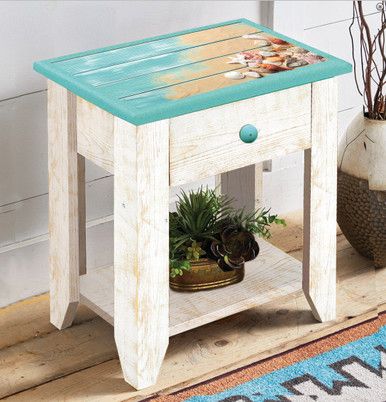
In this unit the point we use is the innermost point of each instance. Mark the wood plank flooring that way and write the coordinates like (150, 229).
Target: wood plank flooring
(40, 363)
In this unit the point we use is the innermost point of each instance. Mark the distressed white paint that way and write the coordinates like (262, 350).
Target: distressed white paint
(140, 156)
(201, 154)
(65, 179)
(211, 144)
(320, 183)
(95, 134)
(141, 224)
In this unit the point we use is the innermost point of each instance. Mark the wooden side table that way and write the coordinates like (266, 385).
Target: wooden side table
(166, 111)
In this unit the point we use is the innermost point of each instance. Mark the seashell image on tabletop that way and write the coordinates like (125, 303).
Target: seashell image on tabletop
(269, 55)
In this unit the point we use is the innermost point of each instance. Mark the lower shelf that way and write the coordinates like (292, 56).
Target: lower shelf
(271, 276)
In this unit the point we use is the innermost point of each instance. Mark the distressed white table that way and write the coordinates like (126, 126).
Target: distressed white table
(170, 110)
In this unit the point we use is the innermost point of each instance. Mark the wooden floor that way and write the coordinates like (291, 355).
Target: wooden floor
(40, 363)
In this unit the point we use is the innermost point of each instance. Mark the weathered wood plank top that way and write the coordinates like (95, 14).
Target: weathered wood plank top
(171, 75)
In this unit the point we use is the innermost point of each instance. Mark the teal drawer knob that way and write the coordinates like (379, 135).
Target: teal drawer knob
(248, 133)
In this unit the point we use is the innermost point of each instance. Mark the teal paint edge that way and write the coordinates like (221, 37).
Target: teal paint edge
(169, 109)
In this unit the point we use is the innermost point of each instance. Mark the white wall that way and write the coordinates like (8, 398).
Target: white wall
(323, 25)
(34, 30)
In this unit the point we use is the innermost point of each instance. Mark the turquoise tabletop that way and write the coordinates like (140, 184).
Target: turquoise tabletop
(167, 76)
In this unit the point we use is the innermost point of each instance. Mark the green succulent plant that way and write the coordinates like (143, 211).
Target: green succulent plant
(177, 267)
(257, 222)
(194, 252)
(205, 223)
(200, 214)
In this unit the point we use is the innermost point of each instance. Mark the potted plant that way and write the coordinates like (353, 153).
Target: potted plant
(210, 241)
(362, 151)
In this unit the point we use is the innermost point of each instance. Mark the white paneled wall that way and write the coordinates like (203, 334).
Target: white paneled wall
(34, 30)
(323, 25)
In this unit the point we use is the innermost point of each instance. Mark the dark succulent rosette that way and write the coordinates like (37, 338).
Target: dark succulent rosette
(234, 248)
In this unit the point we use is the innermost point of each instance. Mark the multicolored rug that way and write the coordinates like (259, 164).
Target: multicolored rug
(349, 366)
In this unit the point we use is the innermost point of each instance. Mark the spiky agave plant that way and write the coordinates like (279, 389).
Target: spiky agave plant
(198, 219)
(257, 222)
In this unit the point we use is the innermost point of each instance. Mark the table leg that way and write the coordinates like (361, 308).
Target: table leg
(245, 186)
(141, 248)
(82, 214)
(66, 200)
(320, 167)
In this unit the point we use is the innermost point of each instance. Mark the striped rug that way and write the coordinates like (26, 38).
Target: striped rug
(348, 366)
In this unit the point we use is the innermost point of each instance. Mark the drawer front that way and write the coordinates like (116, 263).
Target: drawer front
(212, 141)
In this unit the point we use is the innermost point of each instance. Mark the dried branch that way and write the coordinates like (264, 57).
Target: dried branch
(353, 49)
(372, 57)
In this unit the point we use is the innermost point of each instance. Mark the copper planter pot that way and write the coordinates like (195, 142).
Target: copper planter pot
(205, 274)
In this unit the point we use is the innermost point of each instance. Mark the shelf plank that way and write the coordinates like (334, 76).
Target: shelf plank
(273, 275)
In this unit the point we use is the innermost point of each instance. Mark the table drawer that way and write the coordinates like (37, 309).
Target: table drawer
(207, 143)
